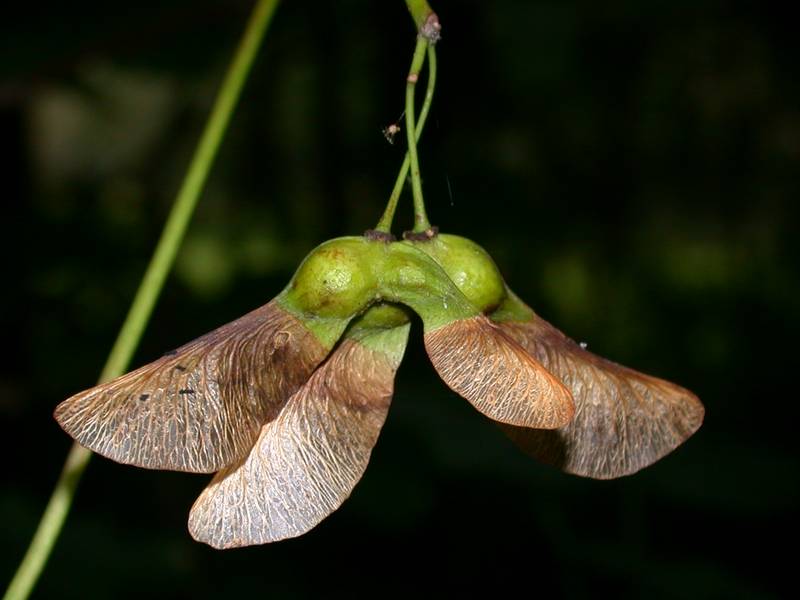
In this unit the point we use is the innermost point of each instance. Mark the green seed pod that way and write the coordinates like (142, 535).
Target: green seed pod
(335, 280)
(343, 277)
(469, 266)
(408, 276)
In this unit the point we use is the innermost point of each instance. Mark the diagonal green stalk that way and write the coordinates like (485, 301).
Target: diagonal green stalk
(149, 289)
(385, 224)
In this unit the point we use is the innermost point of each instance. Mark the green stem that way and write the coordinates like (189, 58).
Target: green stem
(420, 216)
(426, 105)
(149, 289)
(420, 11)
(385, 224)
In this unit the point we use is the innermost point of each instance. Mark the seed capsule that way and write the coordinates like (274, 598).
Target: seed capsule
(469, 266)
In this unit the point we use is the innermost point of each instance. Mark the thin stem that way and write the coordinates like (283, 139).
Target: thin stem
(420, 216)
(149, 289)
(426, 104)
(420, 11)
(385, 224)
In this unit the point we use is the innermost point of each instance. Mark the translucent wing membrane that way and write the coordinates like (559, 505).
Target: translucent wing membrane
(307, 461)
(198, 408)
(624, 420)
(488, 368)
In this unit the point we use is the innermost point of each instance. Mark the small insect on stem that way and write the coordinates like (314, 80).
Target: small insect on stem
(390, 131)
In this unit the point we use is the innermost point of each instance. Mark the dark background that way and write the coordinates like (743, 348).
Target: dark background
(631, 166)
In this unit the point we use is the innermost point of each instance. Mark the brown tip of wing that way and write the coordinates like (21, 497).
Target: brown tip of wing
(488, 368)
(200, 407)
(307, 461)
(624, 420)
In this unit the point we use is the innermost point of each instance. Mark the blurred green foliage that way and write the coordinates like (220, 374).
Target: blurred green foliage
(632, 167)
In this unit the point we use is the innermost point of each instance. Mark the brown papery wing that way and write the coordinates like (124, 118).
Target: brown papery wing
(198, 408)
(484, 365)
(624, 420)
(307, 461)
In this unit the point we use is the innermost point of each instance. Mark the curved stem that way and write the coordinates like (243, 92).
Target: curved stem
(149, 289)
(385, 224)
(420, 216)
(426, 104)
